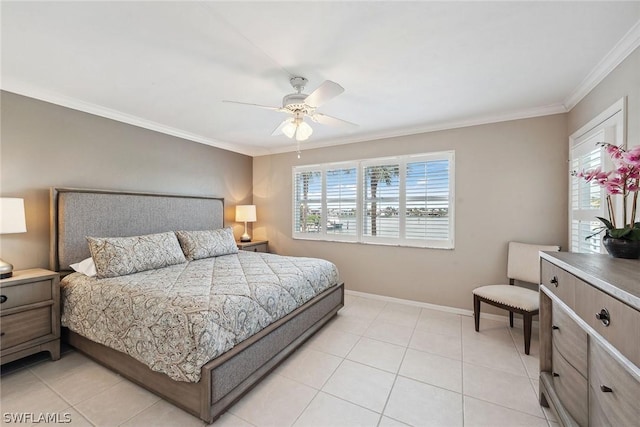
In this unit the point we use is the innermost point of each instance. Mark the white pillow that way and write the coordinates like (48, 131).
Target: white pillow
(86, 267)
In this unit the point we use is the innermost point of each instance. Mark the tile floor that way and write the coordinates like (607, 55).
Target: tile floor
(376, 364)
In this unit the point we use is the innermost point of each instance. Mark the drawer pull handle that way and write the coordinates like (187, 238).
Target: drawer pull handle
(555, 374)
(554, 281)
(555, 327)
(3, 298)
(604, 317)
(606, 389)
(1, 334)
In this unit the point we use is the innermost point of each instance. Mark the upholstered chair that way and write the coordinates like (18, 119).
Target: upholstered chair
(523, 264)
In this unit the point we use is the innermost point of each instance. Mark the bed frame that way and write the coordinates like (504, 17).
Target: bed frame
(76, 213)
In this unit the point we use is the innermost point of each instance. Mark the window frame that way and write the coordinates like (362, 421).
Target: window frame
(360, 165)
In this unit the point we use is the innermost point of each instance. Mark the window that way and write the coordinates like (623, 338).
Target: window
(587, 200)
(406, 200)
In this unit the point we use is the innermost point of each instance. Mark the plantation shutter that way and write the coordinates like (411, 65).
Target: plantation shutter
(381, 201)
(427, 200)
(307, 203)
(587, 198)
(341, 201)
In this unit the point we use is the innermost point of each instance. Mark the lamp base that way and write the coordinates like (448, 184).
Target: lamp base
(6, 269)
(245, 238)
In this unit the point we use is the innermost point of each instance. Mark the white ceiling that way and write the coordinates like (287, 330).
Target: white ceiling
(406, 67)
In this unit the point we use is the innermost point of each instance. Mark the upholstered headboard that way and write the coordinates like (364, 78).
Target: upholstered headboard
(78, 213)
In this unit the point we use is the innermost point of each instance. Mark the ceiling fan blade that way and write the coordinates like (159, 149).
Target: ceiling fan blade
(323, 119)
(256, 105)
(323, 93)
(278, 130)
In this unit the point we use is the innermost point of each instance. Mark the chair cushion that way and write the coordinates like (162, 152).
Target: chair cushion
(513, 296)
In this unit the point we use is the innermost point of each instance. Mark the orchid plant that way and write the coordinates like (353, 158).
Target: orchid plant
(624, 181)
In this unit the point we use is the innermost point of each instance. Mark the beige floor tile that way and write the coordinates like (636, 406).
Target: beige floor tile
(478, 413)
(84, 382)
(310, 367)
(500, 387)
(442, 345)
(351, 325)
(491, 331)
(116, 404)
(419, 404)
(389, 332)
(360, 384)
(67, 417)
(377, 354)
(163, 414)
(333, 342)
(399, 314)
(439, 322)
(326, 410)
(24, 392)
(277, 401)
(229, 420)
(390, 422)
(490, 354)
(433, 369)
(49, 371)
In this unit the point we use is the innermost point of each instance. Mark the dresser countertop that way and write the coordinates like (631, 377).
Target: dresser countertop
(617, 277)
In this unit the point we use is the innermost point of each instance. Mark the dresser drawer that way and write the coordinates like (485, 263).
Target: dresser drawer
(27, 293)
(624, 321)
(614, 390)
(569, 339)
(558, 281)
(571, 387)
(25, 326)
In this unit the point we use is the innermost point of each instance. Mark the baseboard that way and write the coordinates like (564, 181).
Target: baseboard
(461, 311)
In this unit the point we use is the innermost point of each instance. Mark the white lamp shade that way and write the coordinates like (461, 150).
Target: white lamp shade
(12, 218)
(246, 213)
(304, 132)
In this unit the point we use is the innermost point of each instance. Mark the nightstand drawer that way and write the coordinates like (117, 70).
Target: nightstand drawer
(25, 326)
(27, 293)
(620, 324)
(572, 388)
(558, 281)
(614, 390)
(569, 339)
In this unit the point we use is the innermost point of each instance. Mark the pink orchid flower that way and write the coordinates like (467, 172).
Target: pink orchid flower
(632, 157)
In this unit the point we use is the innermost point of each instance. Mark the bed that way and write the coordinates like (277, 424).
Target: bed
(208, 380)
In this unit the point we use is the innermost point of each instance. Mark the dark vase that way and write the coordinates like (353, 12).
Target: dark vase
(622, 248)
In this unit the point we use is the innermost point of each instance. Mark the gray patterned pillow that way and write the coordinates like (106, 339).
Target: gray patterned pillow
(207, 243)
(117, 256)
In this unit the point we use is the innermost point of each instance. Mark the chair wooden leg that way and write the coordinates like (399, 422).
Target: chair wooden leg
(476, 311)
(528, 319)
(511, 319)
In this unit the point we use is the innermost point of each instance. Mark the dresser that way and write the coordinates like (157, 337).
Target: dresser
(29, 314)
(254, 246)
(590, 339)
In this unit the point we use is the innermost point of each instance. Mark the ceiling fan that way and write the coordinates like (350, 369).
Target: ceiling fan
(300, 105)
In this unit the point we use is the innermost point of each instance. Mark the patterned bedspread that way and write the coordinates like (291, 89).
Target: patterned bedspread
(175, 319)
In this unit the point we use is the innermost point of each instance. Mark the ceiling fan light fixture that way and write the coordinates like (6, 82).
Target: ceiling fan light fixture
(303, 132)
(289, 129)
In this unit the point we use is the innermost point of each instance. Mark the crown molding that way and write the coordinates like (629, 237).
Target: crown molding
(98, 110)
(483, 120)
(619, 53)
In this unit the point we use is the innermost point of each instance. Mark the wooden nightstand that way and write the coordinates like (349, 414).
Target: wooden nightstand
(30, 314)
(254, 246)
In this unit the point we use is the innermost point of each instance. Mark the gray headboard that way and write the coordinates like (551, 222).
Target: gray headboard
(77, 213)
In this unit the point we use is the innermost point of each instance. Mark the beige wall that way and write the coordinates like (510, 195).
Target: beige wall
(511, 184)
(624, 80)
(45, 145)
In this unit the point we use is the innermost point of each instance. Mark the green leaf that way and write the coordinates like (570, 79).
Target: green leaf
(606, 222)
(619, 233)
(634, 233)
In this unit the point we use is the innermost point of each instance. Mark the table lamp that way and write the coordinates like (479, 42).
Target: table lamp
(11, 221)
(245, 213)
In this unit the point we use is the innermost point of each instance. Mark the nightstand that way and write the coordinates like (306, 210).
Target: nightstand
(30, 314)
(254, 246)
